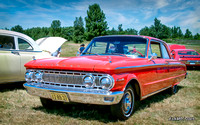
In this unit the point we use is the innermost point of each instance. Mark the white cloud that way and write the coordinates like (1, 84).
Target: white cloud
(191, 21)
(161, 4)
(129, 13)
(170, 18)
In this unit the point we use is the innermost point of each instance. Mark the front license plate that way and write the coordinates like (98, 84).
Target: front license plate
(192, 63)
(59, 96)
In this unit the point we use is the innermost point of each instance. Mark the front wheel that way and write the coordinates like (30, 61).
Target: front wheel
(124, 109)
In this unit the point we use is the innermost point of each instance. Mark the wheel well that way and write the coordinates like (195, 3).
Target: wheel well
(135, 85)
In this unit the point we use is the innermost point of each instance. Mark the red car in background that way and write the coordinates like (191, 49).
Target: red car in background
(188, 56)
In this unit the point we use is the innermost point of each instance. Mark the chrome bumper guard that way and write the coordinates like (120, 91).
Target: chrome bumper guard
(78, 95)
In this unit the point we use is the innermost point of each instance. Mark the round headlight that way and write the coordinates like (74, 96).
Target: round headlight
(38, 76)
(106, 83)
(88, 81)
(29, 76)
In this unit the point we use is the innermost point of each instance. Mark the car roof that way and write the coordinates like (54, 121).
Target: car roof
(140, 36)
(15, 34)
(29, 39)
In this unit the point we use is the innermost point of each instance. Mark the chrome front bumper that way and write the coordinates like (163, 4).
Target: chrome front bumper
(78, 95)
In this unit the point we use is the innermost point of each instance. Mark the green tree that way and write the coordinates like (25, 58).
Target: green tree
(37, 32)
(17, 28)
(55, 28)
(166, 32)
(145, 31)
(120, 29)
(176, 32)
(180, 33)
(78, 36)
(156, 28)
(112, 31)
(188, 34)
(197, 36)
(67, 33)
(131, 31)
(95, 22)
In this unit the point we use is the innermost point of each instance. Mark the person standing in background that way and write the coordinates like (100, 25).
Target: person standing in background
(82, 47)
(57, 52)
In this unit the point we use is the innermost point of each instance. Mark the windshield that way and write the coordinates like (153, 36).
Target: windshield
(117, 45)
(187, 53)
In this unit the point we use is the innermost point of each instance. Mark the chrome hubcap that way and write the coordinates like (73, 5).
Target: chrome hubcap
(127, 102)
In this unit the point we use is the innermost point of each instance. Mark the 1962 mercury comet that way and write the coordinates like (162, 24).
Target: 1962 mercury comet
(112, 70)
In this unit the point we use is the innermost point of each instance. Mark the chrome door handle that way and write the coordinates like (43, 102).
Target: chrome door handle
(14, 52)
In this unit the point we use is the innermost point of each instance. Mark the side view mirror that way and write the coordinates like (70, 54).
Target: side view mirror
(153, 56)
(78, 53)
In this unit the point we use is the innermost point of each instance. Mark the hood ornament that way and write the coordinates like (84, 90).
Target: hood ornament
(110, 60)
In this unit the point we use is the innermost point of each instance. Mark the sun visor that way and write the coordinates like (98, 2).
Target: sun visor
(50, 44)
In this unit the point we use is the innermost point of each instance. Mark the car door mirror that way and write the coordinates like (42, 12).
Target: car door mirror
(153, 56)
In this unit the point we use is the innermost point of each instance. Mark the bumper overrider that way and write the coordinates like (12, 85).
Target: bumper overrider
(77, 95)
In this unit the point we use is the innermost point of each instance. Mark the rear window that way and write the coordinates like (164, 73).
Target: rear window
(24, 45)
(187, 53)
(7, 42)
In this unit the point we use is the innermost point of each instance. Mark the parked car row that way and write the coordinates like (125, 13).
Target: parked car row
(114, 70)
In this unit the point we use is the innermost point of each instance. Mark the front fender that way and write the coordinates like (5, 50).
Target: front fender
(122, 80)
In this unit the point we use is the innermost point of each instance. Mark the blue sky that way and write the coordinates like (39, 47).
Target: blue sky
(130, 13)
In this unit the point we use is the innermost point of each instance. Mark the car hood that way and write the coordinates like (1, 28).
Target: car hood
(104, 64)
(50, 44)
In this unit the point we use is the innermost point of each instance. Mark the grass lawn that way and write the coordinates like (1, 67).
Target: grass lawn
(17, 107)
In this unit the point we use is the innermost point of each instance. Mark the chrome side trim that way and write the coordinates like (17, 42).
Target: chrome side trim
(143, 97)
(140, 66)
(87, 96)
(128, 67)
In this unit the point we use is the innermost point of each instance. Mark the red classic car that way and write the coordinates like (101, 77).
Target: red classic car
(112, 70)
(188, 56)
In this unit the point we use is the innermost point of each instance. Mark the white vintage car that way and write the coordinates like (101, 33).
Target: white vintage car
(16, 49)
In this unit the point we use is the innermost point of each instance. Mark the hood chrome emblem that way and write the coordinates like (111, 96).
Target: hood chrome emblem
(110, 60)
(34, 58)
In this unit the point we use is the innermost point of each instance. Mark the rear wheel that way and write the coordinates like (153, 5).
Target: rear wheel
(124, 109)
(174, 89)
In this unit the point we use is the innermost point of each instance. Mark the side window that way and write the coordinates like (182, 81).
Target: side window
(7, 42)
(165, 54)
(99, 47)
(23, 45)
(155, 48)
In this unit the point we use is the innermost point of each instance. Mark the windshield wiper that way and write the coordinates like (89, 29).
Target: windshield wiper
(89, 53)
(115, 54)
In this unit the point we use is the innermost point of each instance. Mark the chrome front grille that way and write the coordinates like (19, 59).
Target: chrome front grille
(62, 78)
(68, 78)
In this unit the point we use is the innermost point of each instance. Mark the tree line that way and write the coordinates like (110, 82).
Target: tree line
(96, 25)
